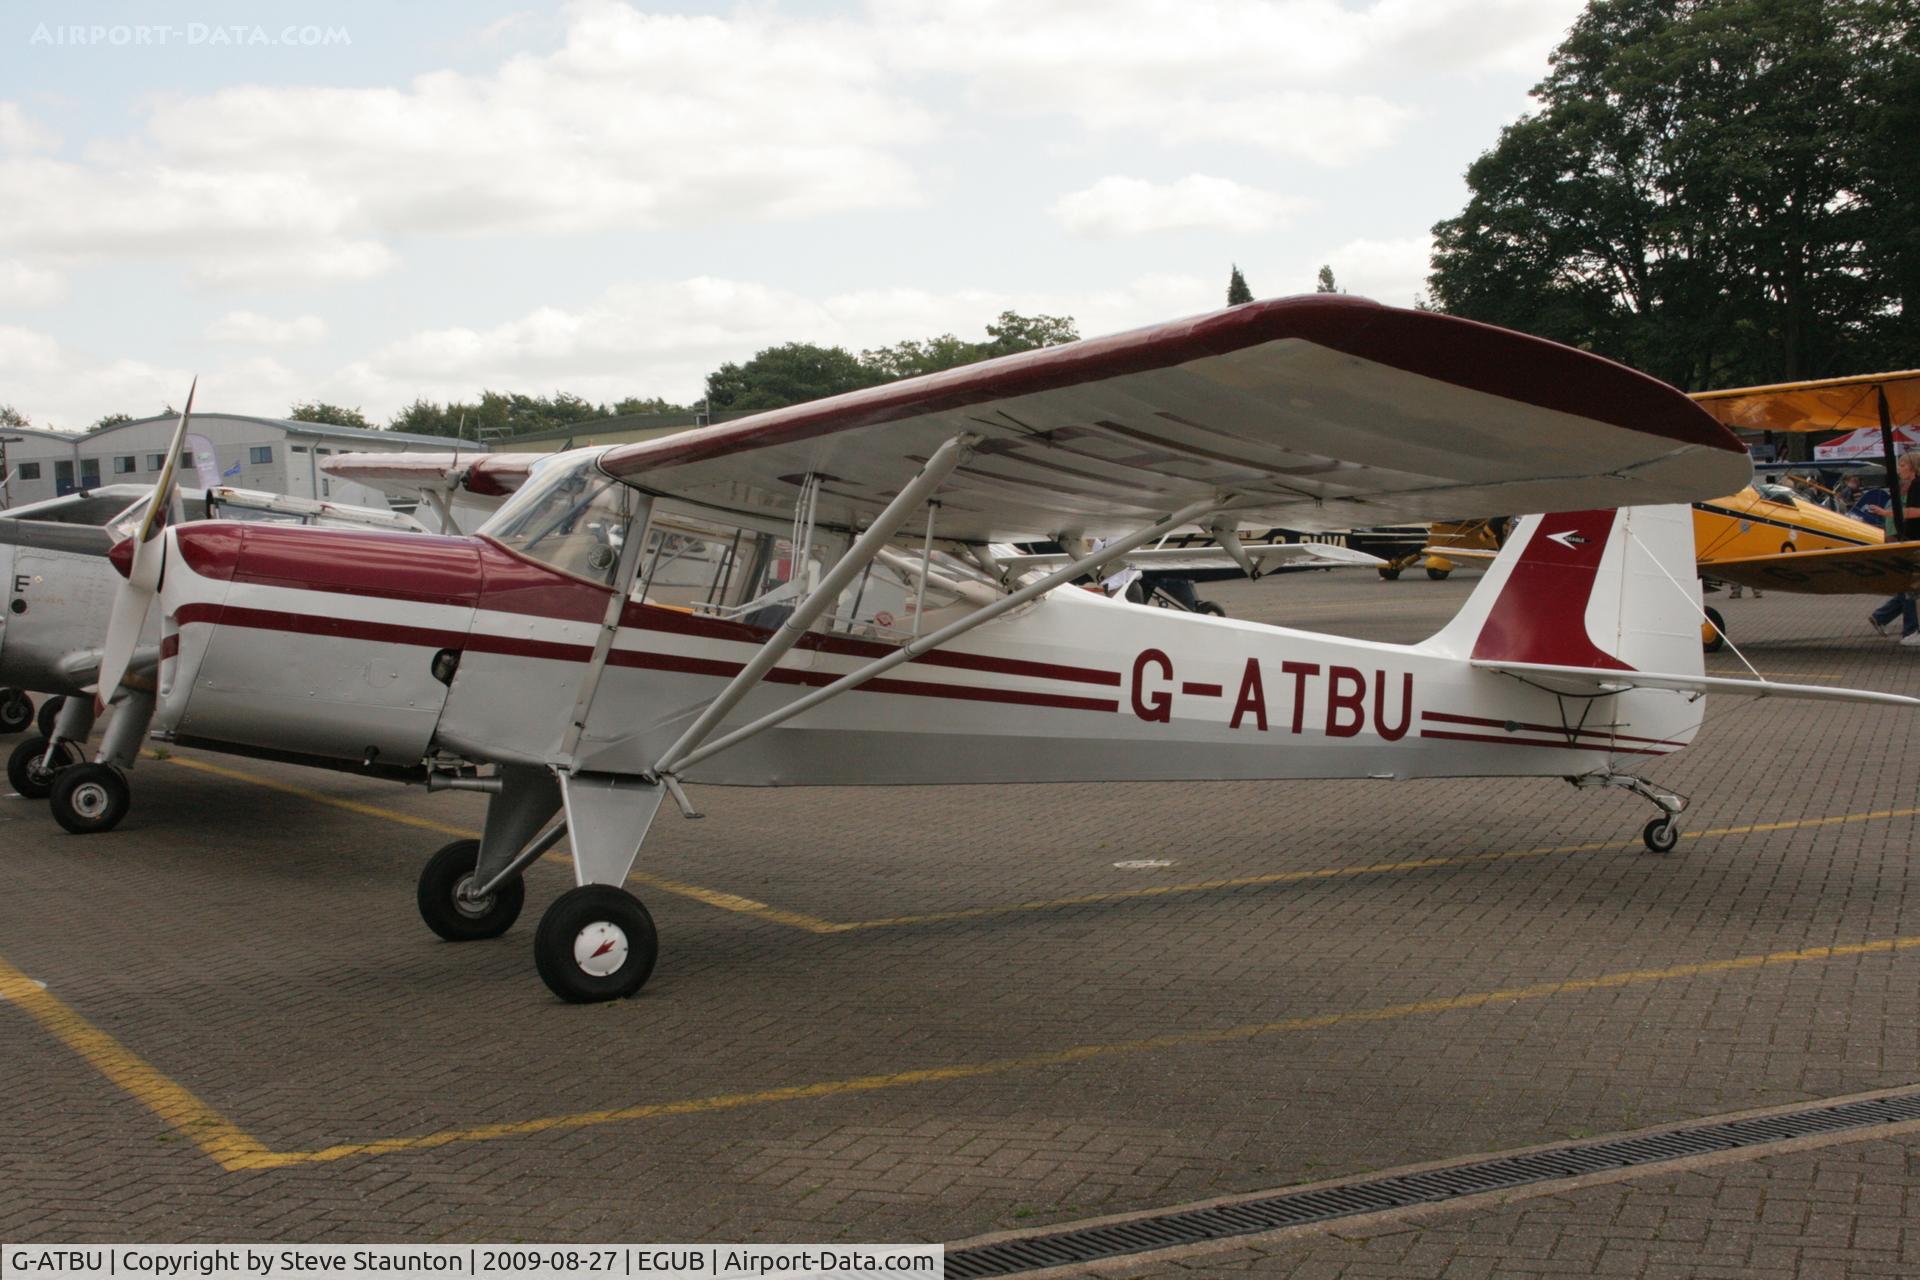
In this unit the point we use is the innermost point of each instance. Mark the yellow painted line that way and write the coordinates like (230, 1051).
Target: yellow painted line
(1368, 869)
(1069, 1056)
(712, 897)
(212, 1132)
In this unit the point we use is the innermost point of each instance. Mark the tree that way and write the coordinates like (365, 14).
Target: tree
(110, 420)
(789, 374)
(1323, 283)
(321, 411)
(12, 417)
(1237, 291)
(634, 405)
(1015, 332)
(1709, 191)
(911, 358)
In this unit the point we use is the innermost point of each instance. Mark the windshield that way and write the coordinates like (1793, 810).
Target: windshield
(570, 515)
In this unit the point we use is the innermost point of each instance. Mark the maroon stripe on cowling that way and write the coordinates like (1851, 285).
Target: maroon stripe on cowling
(1449, 350)
(1449, 718)
(1529, 742)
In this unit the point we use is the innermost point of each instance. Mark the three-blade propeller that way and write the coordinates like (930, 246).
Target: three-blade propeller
(136, 594)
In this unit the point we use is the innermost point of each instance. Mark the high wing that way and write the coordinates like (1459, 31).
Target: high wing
(1315, 413)
(1589, 682)
(1883, 569)
(1269, 556)
(1828, 404)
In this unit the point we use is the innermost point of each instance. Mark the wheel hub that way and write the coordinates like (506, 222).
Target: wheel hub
(469, 904)
(600, 948)
(90, 800)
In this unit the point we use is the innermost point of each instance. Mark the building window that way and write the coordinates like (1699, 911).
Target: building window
(89, 473)
(155, 461)
(298, 448)
(260, 454)
(29, 471)
(323, 451)
(125, 464)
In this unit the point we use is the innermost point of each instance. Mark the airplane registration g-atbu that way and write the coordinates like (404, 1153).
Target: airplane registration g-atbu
(559, 662)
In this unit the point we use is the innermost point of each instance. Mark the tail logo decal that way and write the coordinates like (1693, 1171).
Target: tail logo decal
(1568, 538)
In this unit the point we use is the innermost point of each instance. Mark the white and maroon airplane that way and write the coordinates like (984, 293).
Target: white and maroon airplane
(562, 661)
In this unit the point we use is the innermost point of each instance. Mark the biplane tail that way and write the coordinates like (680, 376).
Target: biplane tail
(1610, 590)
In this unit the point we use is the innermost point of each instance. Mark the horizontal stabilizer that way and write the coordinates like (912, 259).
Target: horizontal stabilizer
(1594, 681)
(1270, 556)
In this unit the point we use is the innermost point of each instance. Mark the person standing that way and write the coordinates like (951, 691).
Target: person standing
(1902, 605)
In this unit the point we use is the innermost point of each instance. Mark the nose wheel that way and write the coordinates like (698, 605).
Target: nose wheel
(449, 905)
(90, 798)
(16, 711)
(596, 942)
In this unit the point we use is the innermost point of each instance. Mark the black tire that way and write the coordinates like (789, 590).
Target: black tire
(1661, 834)
(1713, 632)
(441, 880)
(16, 711)
(1439, 575)
(599, 920)
(48, 713)
(26, 775)
(90, 798)
(1211, 609)
(1390, 573)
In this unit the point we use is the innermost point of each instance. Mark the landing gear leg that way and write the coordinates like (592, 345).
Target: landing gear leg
(472, 889)
(1662, 833)
(33, 764)
(597, 942)
(92, 798)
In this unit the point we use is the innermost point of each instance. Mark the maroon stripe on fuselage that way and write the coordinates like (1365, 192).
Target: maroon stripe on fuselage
(1448, 717)
(1604, 748)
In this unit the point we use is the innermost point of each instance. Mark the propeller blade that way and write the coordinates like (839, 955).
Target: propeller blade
(131, 602)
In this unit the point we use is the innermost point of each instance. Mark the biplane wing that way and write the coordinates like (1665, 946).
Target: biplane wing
(1315, 413)
(1269, 556)
(488, 475)
(1883, 569)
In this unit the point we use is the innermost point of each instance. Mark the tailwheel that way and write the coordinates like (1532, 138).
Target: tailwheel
(1661, 834)
(48, 713)
(596, 942)
(1438, 575)
(90, 798)
(1389, 572)
(31, 774)
(447, 904)
(1713, 632)
(16, 711)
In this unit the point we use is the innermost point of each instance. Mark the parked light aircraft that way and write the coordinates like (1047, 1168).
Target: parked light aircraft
(539, 662)
(59, 593)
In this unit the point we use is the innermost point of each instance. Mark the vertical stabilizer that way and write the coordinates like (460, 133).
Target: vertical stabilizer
(1601, 589)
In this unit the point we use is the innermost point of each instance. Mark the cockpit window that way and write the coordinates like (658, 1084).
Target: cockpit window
(568, 515)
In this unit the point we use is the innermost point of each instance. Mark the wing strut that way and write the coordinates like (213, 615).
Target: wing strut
(939, 466)
(680, 759)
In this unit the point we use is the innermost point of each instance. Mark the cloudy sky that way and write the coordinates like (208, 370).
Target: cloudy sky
(365, 203)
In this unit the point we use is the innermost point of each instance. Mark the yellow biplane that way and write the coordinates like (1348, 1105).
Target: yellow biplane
(1766, 535)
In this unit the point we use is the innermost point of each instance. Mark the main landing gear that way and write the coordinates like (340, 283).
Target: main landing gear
(16, 711)
(597, 941)
(85, 798)
(1662, 833)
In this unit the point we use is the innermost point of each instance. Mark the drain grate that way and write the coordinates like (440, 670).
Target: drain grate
(1401, 1191)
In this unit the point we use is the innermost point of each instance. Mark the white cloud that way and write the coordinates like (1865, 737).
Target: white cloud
(250, 328)
(61, 388)
(24, 285)
(1122, 206)
(19, 132)
(1390, 271)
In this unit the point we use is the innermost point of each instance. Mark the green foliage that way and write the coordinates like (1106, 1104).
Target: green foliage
(110, 420)
(12, 417)
(1323, 283)
(1237, 290)
(333, 414)
(800, 371)
(1717, 191)
(497, 415)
